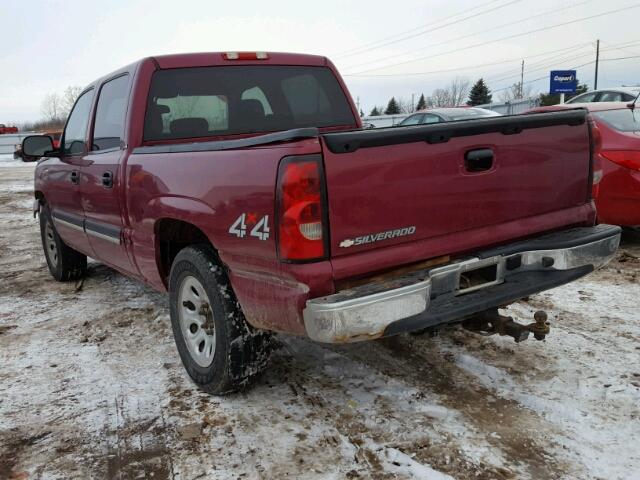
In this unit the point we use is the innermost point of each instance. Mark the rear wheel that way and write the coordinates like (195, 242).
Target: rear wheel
(221, 352)
(65, 263)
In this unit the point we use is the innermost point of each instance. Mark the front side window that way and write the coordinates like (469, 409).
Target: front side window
(75, 133)
(229, 100)
(411, 120)
(108, 130)
(584, 98)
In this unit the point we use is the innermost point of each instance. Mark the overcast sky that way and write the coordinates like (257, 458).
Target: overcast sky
(48, 45)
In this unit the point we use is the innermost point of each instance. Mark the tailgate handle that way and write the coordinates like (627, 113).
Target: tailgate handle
(107, 179)
(479, 160)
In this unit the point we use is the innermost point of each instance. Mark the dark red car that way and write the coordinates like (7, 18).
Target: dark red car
(617, 143)
(6, 130)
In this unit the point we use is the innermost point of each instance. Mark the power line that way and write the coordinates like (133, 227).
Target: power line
(556, 58)
(562, 24)
(563, 49)
(455, 22)
(623, 47)
(535, 65)
(572, 68)
(468, 35)
(348, 52)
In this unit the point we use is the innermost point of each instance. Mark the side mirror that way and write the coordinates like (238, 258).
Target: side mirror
(36, 146)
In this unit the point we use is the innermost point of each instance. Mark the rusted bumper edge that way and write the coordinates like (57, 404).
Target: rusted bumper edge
(444, 295)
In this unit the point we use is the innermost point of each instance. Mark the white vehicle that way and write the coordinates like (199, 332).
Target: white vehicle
(617, 94)
(439, 115)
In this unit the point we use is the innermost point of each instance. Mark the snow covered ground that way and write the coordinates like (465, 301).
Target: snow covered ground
(91, 386)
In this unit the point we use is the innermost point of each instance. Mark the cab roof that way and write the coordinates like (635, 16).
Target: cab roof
(208, 59)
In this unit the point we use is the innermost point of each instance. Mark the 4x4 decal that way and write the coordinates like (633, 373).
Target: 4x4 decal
(260, 227)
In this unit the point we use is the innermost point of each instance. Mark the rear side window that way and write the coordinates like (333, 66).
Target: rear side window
(624, 120)
(610, 97)
(75, 132)
(108, 131)
(211, 101)
(430, 118)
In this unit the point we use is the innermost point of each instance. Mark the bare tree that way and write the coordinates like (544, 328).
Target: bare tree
(52, 106)
(458, 91)
(516, 91)
(440, 98)
(452, 96)
(69, 98)
(405, 106)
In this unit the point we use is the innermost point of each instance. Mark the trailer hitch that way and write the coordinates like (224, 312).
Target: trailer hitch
(490, 322)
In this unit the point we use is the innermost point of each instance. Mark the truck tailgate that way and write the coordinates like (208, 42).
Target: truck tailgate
(404, 184)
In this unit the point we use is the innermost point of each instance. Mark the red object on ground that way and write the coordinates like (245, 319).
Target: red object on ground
(4, 129)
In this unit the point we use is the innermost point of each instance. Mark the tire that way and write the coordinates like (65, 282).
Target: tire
(65, 263)
(221, 352)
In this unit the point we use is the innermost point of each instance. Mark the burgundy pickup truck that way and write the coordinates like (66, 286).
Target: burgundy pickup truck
(243, 184)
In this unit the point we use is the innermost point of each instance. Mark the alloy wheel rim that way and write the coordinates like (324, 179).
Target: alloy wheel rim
(196, 321)
(51, 248)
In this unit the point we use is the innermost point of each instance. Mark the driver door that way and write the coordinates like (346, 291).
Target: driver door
(63, 177)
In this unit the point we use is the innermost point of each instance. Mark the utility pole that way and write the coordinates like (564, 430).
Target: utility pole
(521, 93)
(358, 104)
(595, 81)
(412, 104)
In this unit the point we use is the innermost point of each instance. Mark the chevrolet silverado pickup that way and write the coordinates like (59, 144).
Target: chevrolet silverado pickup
(243, 184)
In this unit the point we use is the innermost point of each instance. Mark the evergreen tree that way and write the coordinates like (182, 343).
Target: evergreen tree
(392, 107)
(422, 103)
(361, 113)
(375, 112)
(480, 94)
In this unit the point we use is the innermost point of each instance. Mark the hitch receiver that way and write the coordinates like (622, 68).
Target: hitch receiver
(491, 322)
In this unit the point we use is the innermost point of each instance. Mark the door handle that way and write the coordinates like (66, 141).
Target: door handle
(75, 177)
(107, 179)
(479, 160)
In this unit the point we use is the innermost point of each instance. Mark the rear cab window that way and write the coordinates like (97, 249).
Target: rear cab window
(623, 119)
(232, 100)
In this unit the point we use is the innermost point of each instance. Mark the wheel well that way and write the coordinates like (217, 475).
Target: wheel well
(172, 236)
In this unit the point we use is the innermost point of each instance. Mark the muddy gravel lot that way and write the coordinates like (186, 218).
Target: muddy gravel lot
(91, 386)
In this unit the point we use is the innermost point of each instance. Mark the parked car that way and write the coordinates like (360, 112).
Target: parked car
(619, 94)
(617, 144)
(438, 115)
(4, 129)
(243, 185)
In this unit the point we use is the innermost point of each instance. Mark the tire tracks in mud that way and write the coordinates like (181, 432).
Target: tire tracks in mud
(513, 430)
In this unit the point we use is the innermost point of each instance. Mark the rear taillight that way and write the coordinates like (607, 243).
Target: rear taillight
(301, 211)
(625, 158)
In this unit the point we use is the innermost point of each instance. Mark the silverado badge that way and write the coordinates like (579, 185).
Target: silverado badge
(376, 237)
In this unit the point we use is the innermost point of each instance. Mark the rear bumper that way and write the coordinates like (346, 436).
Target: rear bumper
(434, 296)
